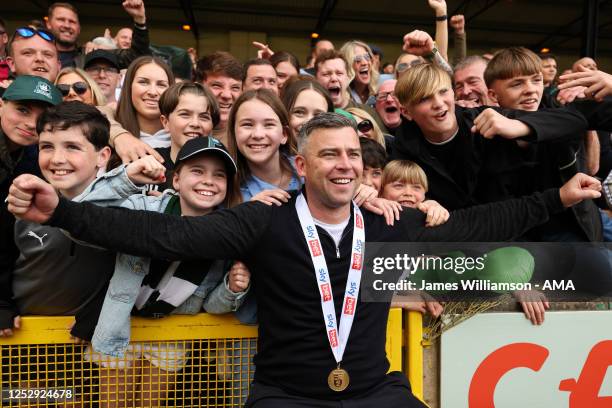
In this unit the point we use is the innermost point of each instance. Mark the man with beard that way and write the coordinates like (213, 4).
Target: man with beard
(63, 22)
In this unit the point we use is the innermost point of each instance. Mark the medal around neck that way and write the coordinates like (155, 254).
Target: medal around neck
(338, 379)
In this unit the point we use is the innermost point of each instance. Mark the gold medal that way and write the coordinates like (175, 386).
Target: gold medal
(338, 379)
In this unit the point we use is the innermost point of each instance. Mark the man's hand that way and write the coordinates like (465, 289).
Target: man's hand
(598, 84)
(568, 95)
(272, 197)
(436, 214)
(364, 193)
(32, 199)
(418, 301)
(533, 303)
(458, 23)
(387, 208)
(130, 148)
(146, 170)
(263, 50)
(239, 277)
(491, 123)
(439, 6)
(10, 332)
(418, 43)
(578, 188)
(136, 9)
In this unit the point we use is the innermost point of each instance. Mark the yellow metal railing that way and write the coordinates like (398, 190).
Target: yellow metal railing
(202, 360)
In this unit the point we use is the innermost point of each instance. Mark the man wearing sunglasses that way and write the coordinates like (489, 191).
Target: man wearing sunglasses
(63, 22)
(33, 52)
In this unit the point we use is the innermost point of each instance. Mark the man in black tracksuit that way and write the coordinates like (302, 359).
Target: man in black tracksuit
(294, 357)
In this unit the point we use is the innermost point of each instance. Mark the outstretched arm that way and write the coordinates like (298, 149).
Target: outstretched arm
(225, 234)
(506, 220)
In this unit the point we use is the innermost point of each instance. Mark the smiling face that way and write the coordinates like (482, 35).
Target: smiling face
(71, 78)
(470, 84)
(226, 91)
(18, 122)
(150, 81)
(308, 104)
(106, 76)
(406, 193)
(331, 74)
(435, 114)
(521, 92)
(259, 133)
(34, 56)
(332, 167)
(387, 105)
(284, 71)
(261, 76)
(69, 161)
(190, 119)
(362, 65)
(201, 183)
(64, 23)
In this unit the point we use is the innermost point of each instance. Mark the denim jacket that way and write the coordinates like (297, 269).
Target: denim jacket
(112, 333)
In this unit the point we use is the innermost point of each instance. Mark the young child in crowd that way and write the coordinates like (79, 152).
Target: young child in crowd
(203, 181)
(47, 277)
(188, 110)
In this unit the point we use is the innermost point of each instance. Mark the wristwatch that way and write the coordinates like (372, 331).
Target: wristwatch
(433, 52)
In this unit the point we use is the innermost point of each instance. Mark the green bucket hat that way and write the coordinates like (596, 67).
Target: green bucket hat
(32, 88)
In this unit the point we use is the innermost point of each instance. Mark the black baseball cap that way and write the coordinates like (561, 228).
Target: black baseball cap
(210, 145)
(105, 55)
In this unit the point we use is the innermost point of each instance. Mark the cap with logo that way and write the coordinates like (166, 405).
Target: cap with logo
(103, 55)
(210, 145)
(32, 88)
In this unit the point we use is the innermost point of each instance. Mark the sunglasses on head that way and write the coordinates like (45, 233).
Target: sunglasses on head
(79, 88)
(27, 32)
(365, 126)
(359, 58)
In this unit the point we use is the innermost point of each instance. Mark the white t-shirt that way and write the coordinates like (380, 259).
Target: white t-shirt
(334, 230)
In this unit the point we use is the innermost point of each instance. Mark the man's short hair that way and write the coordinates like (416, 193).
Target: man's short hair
(88, 118)
(254, 62)
(468, 61)
(421, 81)
(329, 55)
(325, 120)
(218, 63)
(512, 62)
(61, 5)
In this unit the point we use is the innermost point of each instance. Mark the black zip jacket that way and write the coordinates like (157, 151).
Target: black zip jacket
(498, 169)
(293, 350)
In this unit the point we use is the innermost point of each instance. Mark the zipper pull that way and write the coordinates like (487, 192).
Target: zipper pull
(337, 252)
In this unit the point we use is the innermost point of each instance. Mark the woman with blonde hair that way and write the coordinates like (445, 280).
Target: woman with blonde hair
(367, 127)
(76, 85)
(362, 75)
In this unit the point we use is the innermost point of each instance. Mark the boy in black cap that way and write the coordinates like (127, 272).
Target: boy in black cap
(103, 67)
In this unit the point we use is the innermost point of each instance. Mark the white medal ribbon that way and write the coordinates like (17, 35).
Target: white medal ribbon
(337, 338)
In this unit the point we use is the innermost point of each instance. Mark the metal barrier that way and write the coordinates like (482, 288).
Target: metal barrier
(203, 360)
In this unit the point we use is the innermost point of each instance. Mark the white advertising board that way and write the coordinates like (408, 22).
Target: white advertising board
(499, 360)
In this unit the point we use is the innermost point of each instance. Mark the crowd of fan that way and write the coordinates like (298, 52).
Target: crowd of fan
(160, 129)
